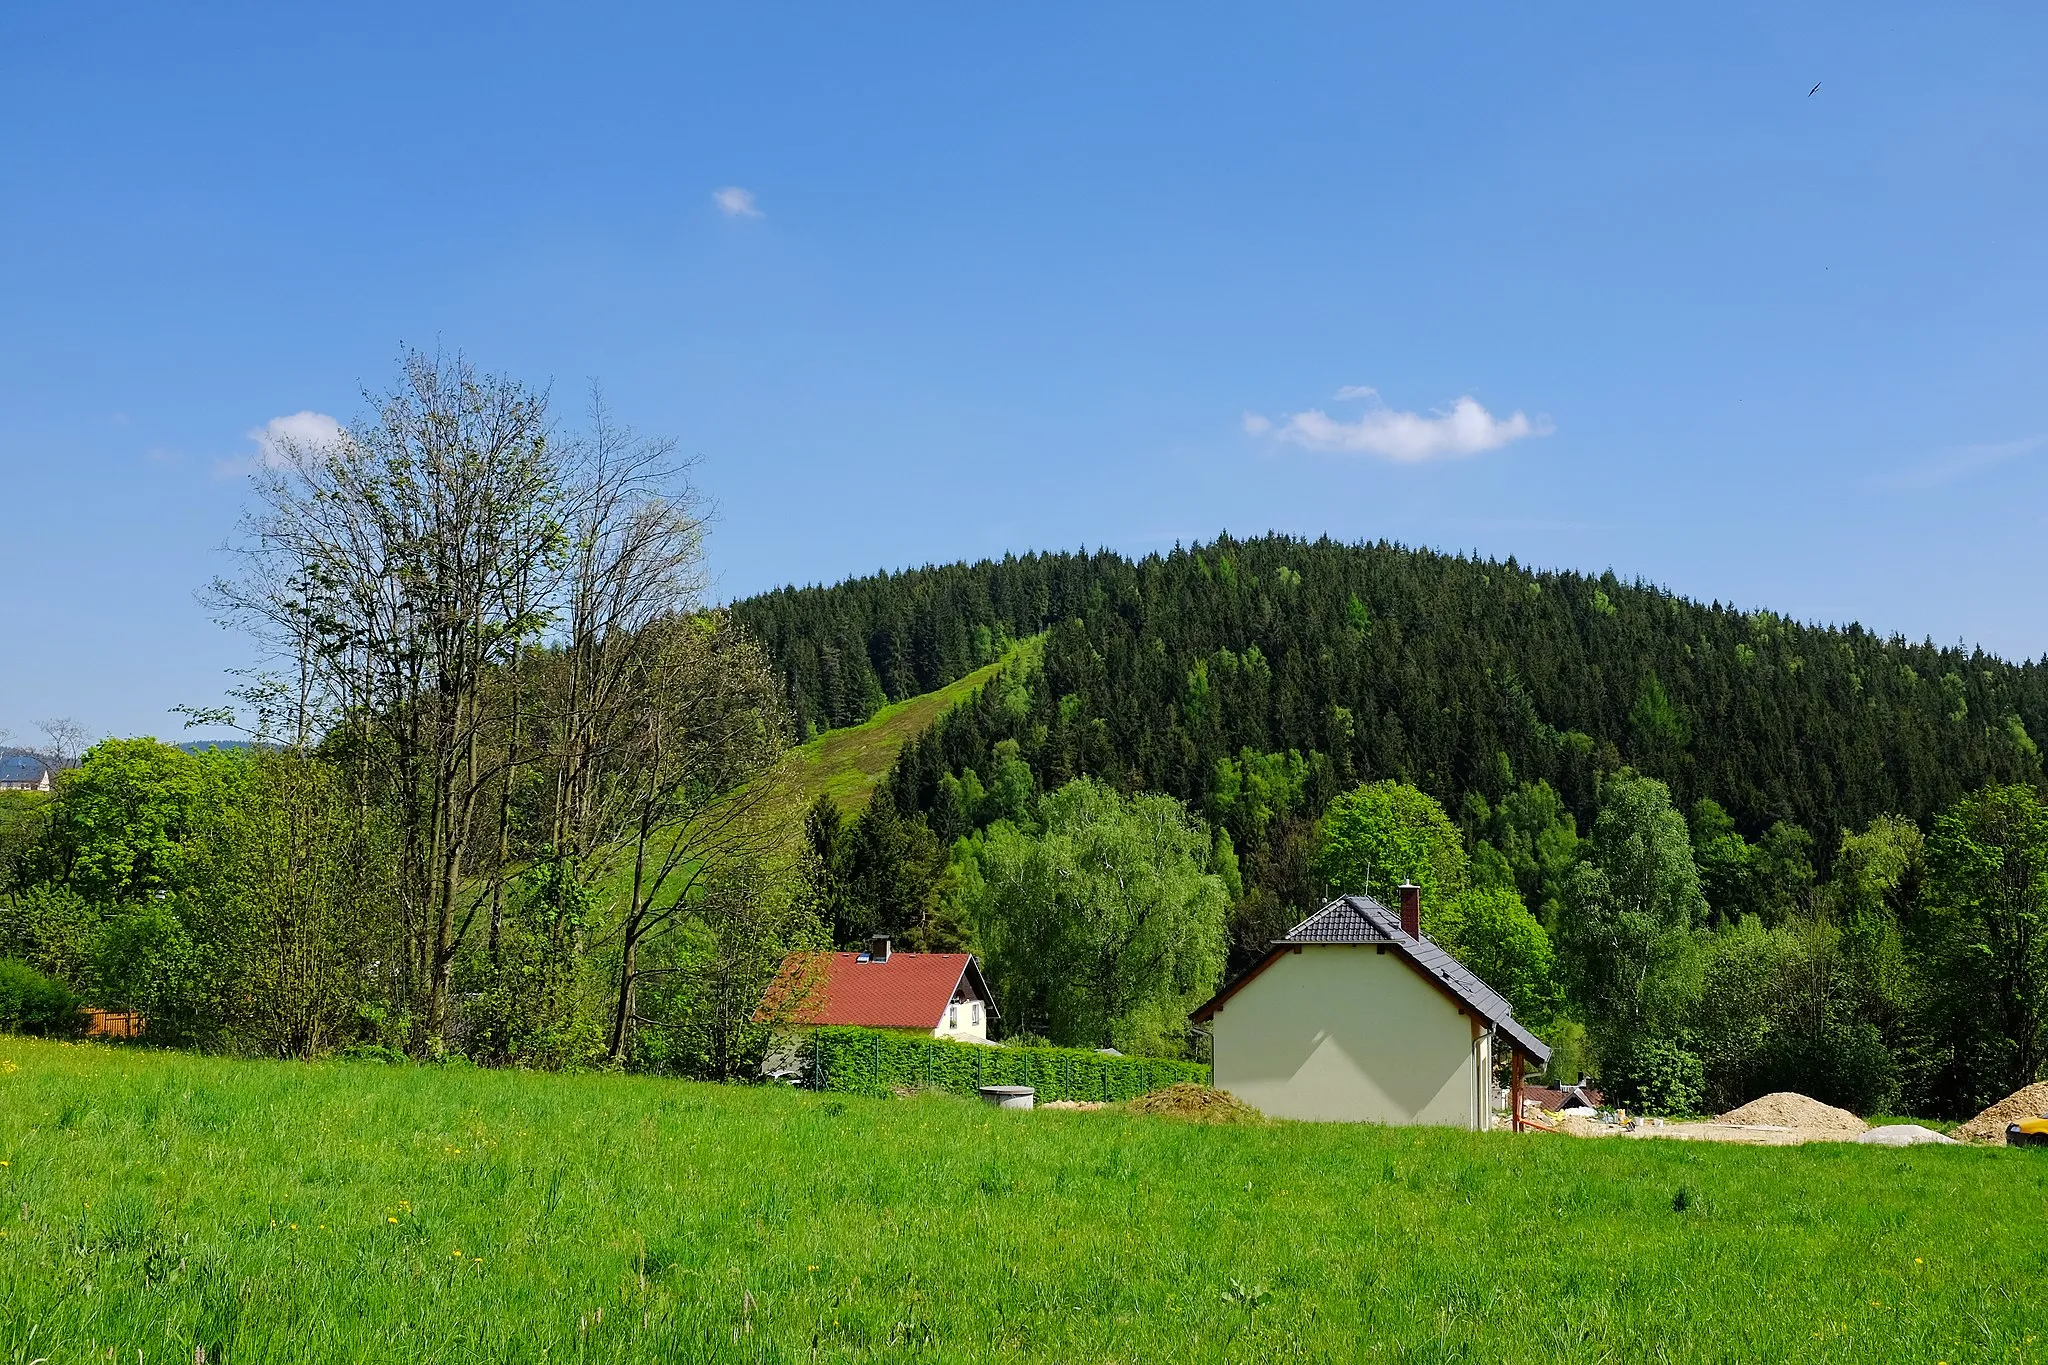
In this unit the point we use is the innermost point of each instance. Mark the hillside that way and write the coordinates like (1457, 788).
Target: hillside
(848, 763)
(1461, 675)
(175, 1208)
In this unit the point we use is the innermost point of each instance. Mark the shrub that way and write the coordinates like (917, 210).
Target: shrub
(874, 1062)
(32, 1003)
(1656, 1076)
(1844, 1063)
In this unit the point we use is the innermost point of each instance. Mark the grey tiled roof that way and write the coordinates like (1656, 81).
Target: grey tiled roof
(1361, 919)
(20, 768)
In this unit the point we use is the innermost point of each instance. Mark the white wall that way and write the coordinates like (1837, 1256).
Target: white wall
(970, 1029)
(1351, 1033)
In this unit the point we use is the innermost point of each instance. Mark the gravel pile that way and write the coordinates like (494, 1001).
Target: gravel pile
(1789, 1109)
(1989, 1126)
(1197, 1102)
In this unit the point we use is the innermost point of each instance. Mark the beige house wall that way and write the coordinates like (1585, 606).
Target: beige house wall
(1352, 1033)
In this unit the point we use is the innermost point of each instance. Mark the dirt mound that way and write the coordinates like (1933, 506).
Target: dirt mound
(1197, 1102)
(1073, 1104)
(1989, 1126)
(1789, 1109)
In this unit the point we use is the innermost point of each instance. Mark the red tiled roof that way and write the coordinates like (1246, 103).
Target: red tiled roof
(909, 990)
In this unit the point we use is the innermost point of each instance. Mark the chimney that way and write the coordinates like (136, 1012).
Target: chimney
(1411, 909)
(878, 949)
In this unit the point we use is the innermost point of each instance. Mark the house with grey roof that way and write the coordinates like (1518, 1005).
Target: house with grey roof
(1354, 1015)
(20, 772)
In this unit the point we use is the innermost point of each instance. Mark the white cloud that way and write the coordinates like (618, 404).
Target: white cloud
(278, 438)
(735, 202)
(1257, 425)
(1463, 428)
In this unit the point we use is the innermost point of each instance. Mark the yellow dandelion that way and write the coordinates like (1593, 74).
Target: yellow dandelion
(458, 1255)
(390, 1220)
(1916, 1261)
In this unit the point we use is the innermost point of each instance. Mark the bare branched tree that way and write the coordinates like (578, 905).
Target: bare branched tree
(635, 559)
(64, 743)
(693, 787)
(399, 568)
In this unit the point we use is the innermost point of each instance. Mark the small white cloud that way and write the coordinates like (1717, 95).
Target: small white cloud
(1256, 424)
(1354, 391)
(278, 438)
(1463, 428)
(735, 202)
(281, 437)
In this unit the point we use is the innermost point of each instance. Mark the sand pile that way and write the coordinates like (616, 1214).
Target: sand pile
(1989, 1126)
(1197, 1102)
(1789, 1109)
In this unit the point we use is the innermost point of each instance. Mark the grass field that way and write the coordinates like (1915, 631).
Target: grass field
(158, 1204)
(847, 764)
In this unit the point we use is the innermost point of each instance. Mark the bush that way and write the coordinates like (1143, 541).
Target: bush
(1655, 1076)
(873, 1062)
(1844, 1063)
(32, 1003)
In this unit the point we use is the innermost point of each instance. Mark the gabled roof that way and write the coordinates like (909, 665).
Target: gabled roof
(907, 990)
(20, 767)
(1363, 920)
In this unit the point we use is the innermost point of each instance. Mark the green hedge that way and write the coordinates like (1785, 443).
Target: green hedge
(33, 1003)
(876, 1062)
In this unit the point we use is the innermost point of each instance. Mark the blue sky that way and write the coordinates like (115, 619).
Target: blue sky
(1047, 277)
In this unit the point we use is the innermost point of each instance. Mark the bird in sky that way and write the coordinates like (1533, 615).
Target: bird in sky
(1810, 93)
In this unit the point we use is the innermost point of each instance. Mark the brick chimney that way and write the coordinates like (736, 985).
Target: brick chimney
(1411, 909)
(878, 949)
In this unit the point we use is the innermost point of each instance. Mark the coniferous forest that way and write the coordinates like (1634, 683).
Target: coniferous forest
(1390, 661)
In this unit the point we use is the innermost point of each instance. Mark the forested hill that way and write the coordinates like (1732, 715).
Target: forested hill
(1395, 662)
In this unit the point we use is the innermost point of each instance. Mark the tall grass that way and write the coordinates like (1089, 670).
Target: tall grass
(157, 1205)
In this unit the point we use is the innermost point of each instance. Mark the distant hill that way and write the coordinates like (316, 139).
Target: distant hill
(1459, 674)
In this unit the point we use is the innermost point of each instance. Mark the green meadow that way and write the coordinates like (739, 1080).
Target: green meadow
(161, 1207)
(848, 764)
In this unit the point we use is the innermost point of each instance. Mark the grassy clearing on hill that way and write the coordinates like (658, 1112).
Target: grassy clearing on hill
(157, 1203)
(848, 764)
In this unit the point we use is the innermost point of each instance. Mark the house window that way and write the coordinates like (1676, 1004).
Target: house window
(977, 1012)
(953, 1015)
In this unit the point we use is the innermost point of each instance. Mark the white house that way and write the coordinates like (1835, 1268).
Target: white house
(1354, 1015)
(940, 994)
(21, 772)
